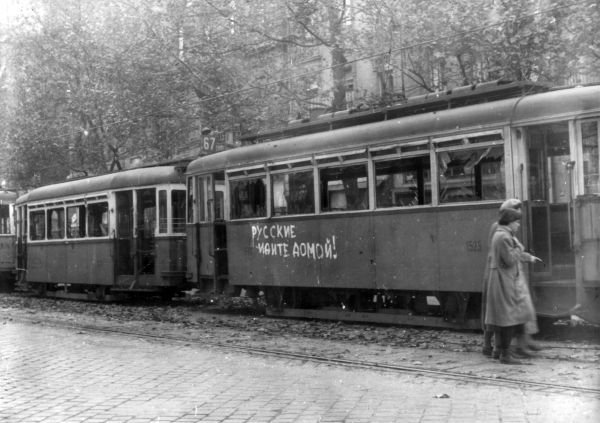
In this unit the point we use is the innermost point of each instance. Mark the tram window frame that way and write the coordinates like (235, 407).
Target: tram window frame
(5, 219)
(590, 146)
(287, 195)
(204, 186)
(77, 227)
(55, 223)
(420, 189)
(163, 217)
(191, 200)
(220, 189)
(37, 225)
(471, 151)
(245, 204)
(98, 223)
(178, 219)
(333, 177)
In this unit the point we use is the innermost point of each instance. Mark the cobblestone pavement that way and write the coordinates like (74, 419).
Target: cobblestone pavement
(50, 374)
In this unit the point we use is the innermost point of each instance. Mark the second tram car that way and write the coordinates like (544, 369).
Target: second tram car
(7, 240)
(388, 221)
(99, 237)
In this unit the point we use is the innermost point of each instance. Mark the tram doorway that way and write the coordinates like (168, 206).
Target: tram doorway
(550, 206)
(145, 229)
(124, 234)
(135, 237)
(208, 237)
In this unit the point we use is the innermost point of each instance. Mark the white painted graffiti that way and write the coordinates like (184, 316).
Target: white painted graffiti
(273, 231)
(279, 240)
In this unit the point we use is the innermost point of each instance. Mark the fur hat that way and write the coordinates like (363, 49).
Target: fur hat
(509, 215)
(511, 203)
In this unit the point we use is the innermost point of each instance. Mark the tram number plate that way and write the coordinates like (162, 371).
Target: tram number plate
(473, 245)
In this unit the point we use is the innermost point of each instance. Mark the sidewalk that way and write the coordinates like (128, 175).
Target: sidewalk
(53, 374)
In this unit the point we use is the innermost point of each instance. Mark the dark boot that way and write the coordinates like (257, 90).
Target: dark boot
(534, 347)
(523, 352)
(506, 358)
(487, 343)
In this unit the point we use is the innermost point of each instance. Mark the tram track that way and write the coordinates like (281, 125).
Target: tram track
(515, 383)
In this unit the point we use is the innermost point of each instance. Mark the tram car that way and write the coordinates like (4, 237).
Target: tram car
(105, 237)
(7, 240)
(383, 215)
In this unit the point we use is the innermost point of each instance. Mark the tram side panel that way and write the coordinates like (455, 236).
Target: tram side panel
(205, 254)
(7, 241)
(419, 250)
(81, 263)
(7, 262)
(407, 250)
(462, 244)
(170, 261)
(325, 253)
(92, 263)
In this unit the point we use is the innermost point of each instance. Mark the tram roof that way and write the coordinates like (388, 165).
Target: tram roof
(124, 179)
(555, 104)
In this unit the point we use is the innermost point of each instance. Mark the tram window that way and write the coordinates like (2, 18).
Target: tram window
(178, 210)
(56, 223)
(293, 193)
(76, 220)
(471, 175)
(591, 159)
(190, 200)
(549, 151)
(146, 213)
(37, 228)
(219, 197)
(403, 182)
(98, 225)
(4, 219)
(344, 188)
(205, 198)
(248, 198)
(163, 220)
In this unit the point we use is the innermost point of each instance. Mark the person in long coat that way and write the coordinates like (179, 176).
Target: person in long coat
(524, 340)
(506, 309)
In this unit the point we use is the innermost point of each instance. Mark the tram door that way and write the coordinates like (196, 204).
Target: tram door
(145, 230)
(211, 235)
(220, 233)
(124, 234)
(550, 213)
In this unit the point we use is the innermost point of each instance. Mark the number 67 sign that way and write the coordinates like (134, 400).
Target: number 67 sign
(209, 143)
